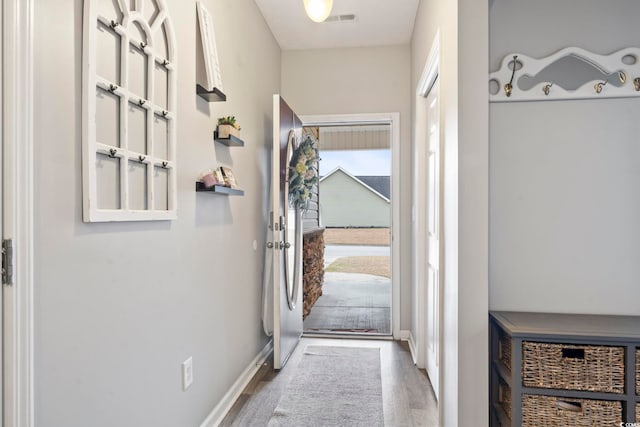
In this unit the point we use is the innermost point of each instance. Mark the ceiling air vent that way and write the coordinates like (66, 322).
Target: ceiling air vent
(341, 18)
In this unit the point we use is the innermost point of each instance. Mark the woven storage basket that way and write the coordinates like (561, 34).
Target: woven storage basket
(573, 367)
(637, 413)
(504, 398)
(538, 411)
(504, 349)
(637, 371)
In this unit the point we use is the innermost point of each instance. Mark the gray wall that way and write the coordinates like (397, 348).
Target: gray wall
(352, 81)
(565, 176)
(120, 306)
(347, 203)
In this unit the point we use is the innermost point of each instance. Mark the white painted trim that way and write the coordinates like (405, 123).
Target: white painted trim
(419, 208)
(405, 334)
(18, 48)
(392, 119)
(226, 403)
(432, 65)
(355, 178)
(412, 348)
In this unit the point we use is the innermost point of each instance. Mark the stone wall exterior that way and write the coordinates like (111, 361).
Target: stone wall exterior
(313, 269)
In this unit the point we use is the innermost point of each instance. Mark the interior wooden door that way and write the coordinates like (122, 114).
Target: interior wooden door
(286, 242)
(434, 291)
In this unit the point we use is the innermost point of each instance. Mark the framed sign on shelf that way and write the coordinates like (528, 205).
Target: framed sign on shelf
(207, 35)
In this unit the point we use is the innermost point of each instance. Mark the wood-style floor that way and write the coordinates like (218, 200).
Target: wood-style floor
(407, 395)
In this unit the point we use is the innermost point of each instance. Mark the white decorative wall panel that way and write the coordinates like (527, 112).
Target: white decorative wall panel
(129, 111)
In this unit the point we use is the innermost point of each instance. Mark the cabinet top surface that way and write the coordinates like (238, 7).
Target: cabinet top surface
(521, 324)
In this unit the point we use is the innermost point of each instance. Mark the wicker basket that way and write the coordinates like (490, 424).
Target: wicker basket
(540, 411)
(637, 413)
(504, 398)
(573, 367)
(637, 372)
(504, 349)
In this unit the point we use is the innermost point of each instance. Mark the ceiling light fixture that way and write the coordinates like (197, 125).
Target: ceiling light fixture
(318, 10)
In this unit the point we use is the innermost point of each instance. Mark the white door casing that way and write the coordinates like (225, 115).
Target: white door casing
(3, 181)
(433, 232)
(393, 120)
(18, 210)
(428, 223)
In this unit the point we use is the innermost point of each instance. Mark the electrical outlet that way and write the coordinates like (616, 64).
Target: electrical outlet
(187, 373)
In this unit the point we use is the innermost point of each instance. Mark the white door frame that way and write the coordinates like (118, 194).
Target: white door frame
(17, 139)
(419, 208)
(392, 119)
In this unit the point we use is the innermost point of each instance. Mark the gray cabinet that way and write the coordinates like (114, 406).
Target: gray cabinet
(563, 369)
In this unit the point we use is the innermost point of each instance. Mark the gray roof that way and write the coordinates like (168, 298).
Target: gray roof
(382, 184)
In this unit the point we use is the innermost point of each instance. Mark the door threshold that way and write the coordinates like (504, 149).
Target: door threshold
(347, 335)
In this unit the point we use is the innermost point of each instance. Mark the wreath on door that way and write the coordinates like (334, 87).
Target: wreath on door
(303, 174)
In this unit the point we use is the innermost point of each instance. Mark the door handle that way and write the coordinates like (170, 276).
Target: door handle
(278, 245)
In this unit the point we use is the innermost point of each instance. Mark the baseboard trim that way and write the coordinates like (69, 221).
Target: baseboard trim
(412, 348)
(404, 335)
(218, 413)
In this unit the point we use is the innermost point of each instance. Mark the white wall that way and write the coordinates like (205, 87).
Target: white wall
(565, 176)
(352, 81)
(119, 306)
(464, 132)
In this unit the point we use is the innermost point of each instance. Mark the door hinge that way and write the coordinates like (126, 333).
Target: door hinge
(7, 262)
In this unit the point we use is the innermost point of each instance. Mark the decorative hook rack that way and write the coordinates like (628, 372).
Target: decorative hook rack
(508, 88)
(615, 66)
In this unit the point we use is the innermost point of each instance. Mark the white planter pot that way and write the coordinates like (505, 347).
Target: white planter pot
(225, 130)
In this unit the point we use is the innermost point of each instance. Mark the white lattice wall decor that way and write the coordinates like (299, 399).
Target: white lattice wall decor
(129, 111)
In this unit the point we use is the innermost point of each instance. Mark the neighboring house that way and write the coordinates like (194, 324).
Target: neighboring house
(354, 201)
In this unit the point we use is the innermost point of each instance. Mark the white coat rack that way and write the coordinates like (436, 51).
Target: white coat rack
(129, 111)
(617, 76)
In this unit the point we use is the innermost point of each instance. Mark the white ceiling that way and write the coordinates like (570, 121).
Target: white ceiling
(377, 23)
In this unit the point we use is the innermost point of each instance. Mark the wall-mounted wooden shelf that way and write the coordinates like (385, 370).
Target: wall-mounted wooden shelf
(232, 141)
(219, 189)
(214, 95)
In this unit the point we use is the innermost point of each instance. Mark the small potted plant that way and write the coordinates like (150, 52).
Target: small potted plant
(228, 126)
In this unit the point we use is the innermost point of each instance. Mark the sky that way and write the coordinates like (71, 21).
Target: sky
(357, 162)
